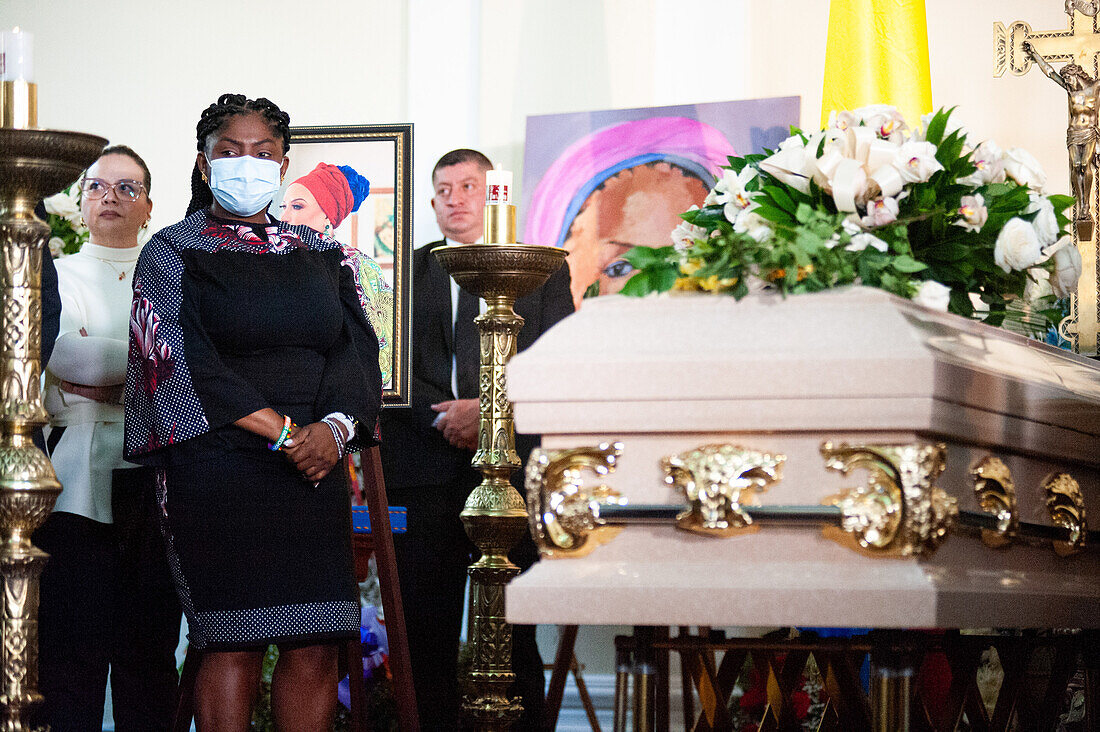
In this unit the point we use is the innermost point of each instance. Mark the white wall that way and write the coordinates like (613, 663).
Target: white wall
(469, 72)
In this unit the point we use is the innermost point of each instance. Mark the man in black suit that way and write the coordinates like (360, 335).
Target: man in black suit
(426, 451)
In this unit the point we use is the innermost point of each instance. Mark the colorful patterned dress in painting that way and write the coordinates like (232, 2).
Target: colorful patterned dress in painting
(227, 319)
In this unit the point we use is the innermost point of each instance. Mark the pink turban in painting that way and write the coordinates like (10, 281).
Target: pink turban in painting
(329, 186)
(585, 165)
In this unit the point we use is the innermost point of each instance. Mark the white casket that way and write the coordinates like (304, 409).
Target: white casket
(884, 382)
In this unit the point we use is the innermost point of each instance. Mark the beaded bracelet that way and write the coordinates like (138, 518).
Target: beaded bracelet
(341, 445)
(278, 444)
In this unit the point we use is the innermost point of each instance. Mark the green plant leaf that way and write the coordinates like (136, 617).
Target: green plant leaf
(907, 264)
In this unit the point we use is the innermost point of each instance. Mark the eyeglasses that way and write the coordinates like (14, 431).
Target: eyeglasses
(125, 190)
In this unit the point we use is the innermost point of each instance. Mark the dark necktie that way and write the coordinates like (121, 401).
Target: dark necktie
(467, 345)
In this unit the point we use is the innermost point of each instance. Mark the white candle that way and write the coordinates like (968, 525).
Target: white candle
(16, 63)
(498, 186)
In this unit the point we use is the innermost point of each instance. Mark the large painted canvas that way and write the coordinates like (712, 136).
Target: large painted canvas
(599, 183)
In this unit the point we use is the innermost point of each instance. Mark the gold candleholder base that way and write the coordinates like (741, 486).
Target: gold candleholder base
(33, 165)
(495, 515)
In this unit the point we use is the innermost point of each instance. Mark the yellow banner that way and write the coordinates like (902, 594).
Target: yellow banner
(877, 54)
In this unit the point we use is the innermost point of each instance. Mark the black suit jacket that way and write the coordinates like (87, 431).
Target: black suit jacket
(413, 452)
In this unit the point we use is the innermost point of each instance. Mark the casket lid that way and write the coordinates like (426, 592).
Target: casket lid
(847, 359)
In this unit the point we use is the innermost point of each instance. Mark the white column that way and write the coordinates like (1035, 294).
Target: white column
(443, 101)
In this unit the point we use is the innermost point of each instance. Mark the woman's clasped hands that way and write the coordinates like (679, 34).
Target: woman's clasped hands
(313, 450)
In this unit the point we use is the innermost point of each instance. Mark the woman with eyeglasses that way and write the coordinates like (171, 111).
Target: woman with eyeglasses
(252, 368)
(107, 600)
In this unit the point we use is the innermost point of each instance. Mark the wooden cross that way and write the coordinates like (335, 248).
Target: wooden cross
(1079, 42)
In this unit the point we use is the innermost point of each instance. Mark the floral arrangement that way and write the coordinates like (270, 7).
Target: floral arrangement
(922, 214)
(67, 230)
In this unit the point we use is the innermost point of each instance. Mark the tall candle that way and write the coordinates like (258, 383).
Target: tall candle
(16, 63)
(498, 186)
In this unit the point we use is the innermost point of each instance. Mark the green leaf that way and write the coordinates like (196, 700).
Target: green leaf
(936, 126)
(642, 257)
(780, 197)
(803, 213)
(773, 214)
(907, 264)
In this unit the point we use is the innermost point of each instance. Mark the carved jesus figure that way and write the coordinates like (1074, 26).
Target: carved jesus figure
(1082, 133)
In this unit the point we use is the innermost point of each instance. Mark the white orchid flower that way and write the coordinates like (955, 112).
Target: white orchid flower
(988, 158)
(753, 224)
(881, 211)
(685, 235)
(916, 161)
(865, 239)
(973, 212)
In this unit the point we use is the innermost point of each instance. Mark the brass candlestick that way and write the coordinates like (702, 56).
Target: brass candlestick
(495, 515)
(33, 164)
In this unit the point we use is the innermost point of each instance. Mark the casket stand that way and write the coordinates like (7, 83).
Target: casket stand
(846, 458)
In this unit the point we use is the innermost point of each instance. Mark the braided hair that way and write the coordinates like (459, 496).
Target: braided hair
(212, 121)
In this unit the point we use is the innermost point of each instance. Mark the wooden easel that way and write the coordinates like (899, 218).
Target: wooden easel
(380, 541)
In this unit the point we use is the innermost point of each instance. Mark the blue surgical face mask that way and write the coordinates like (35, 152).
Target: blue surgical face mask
(244, 185)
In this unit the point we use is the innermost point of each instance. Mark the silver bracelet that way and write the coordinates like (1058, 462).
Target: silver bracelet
(341, 446)
(349, 423)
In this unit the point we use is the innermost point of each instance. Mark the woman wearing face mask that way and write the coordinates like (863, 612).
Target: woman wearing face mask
(251, 365)
(106, 596)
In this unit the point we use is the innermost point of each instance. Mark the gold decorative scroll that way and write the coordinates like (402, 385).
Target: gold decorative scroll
(996, 494)
(1066, 505)
(899, 511)
(716, 480)
(563, 511)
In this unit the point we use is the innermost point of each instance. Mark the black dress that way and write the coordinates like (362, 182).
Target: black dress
(266, 317)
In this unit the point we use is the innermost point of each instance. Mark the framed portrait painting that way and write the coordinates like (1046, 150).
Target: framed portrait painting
(354, 183)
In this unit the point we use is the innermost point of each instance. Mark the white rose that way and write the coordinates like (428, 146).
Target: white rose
(1017, 246)
(1045, 223)
(916, 161)
(1038, 284)
(684, 235)
(1023, 168)
(752, 224)
(62, 204)
(933, 295)
(880, 212)
(863, 240)
(1067, 270)
(56, 246)
(973, 211)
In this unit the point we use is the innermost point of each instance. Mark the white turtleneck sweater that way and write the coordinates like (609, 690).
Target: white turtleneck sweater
(95, 287)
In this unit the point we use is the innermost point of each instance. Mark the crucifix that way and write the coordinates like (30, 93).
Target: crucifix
(1017, 47)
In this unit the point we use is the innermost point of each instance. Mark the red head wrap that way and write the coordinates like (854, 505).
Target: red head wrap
(330, 187)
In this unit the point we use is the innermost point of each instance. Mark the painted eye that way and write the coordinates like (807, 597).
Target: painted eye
(618, 268)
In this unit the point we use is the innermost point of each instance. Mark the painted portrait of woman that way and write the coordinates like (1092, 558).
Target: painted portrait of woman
(620, 187)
